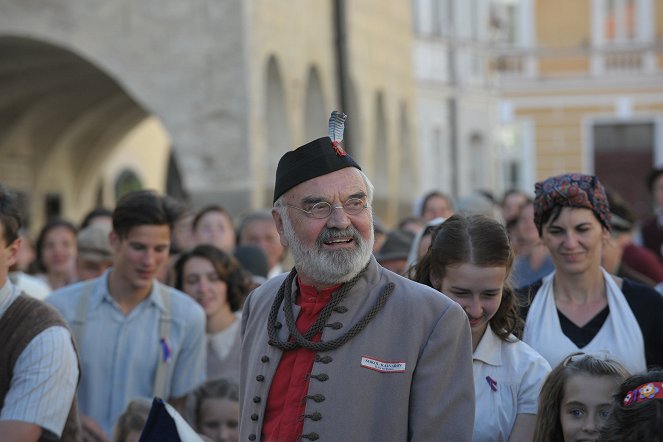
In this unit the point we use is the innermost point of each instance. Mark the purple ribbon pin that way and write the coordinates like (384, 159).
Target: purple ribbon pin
(492, 383)
(165, 349)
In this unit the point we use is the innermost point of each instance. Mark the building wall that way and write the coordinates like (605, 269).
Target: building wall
(450, 65)
(176, 61)
(658, 25)
(562, 23)
(295, 43)
(575, 87)
(378, 35)
(202, 69)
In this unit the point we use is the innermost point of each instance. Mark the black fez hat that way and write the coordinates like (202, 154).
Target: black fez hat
(316, 158)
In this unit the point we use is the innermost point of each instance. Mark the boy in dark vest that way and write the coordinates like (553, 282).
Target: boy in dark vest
(38, 361)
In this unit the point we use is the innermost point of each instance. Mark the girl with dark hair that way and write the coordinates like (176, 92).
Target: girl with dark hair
(56, 253)
(218, 283)
(637, 410)
(576, 398)
(580, 306)
(469, 260)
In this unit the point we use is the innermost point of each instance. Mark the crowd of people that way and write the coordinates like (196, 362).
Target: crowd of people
(532, 318)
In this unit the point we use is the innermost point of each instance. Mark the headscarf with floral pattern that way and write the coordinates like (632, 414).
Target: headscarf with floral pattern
(570, 190)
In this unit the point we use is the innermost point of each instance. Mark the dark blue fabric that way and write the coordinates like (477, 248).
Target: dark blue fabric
(160, 426)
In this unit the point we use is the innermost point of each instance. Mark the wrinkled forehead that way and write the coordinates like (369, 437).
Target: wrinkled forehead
(341, 184)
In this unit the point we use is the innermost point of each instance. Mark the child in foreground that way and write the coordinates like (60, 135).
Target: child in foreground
(576, 398)
(637, 410)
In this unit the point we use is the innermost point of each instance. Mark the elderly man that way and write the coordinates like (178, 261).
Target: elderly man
(341, 349)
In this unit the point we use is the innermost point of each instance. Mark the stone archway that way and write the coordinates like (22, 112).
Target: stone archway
(276, 116)
(316, 111)
(381, 152)
(62, 119)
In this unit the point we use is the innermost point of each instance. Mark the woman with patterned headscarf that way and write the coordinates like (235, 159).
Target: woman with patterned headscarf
(580, 306)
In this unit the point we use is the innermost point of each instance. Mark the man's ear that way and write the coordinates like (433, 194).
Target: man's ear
(606, 234)
(278, 221)
(12, 251)
(114, 240)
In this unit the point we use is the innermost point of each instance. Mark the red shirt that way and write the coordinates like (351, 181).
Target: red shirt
(285, 402)
(644, 261)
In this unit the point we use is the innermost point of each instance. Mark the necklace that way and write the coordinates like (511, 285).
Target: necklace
(284, 295)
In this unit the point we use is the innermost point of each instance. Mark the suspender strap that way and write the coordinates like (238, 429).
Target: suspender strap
(164, 356)
(80, 315)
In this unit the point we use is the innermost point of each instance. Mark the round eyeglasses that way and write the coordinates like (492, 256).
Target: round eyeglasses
(321, 210)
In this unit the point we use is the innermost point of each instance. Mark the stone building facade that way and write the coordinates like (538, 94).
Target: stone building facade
(199, 97)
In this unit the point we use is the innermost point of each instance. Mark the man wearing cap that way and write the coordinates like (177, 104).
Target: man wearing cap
(341, 349)
(395, 250)
(94, 251)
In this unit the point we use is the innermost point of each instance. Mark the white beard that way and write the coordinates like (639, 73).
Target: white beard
(329, 267)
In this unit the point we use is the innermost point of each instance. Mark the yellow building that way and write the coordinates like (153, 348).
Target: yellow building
(582, 91)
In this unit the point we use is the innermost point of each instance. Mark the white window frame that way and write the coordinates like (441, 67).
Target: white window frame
(525, 155)
(642, 41)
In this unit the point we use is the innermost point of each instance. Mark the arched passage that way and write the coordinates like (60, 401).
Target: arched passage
(381, 150)
(356, 144)
(407, 160)
(62, 119)
(316, 112)
(278, 134)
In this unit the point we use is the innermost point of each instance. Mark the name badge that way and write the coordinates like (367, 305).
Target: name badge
(382, 366)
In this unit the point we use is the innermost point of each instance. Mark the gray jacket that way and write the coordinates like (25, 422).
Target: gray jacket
(426, 395)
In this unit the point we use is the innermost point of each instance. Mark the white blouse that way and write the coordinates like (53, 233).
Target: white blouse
(620, 335)
(222, 342)
(507, 380)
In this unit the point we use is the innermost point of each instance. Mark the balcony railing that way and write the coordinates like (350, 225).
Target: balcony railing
(574, 61)
(481, 63)
(623, 61)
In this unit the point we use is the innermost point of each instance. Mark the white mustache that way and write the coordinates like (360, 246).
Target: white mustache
(332, 234)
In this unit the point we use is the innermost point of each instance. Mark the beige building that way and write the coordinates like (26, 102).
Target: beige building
(456, 96)
(198, 98)
(582, 91)
(202, 98)
(294, 75)
(510, 92)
